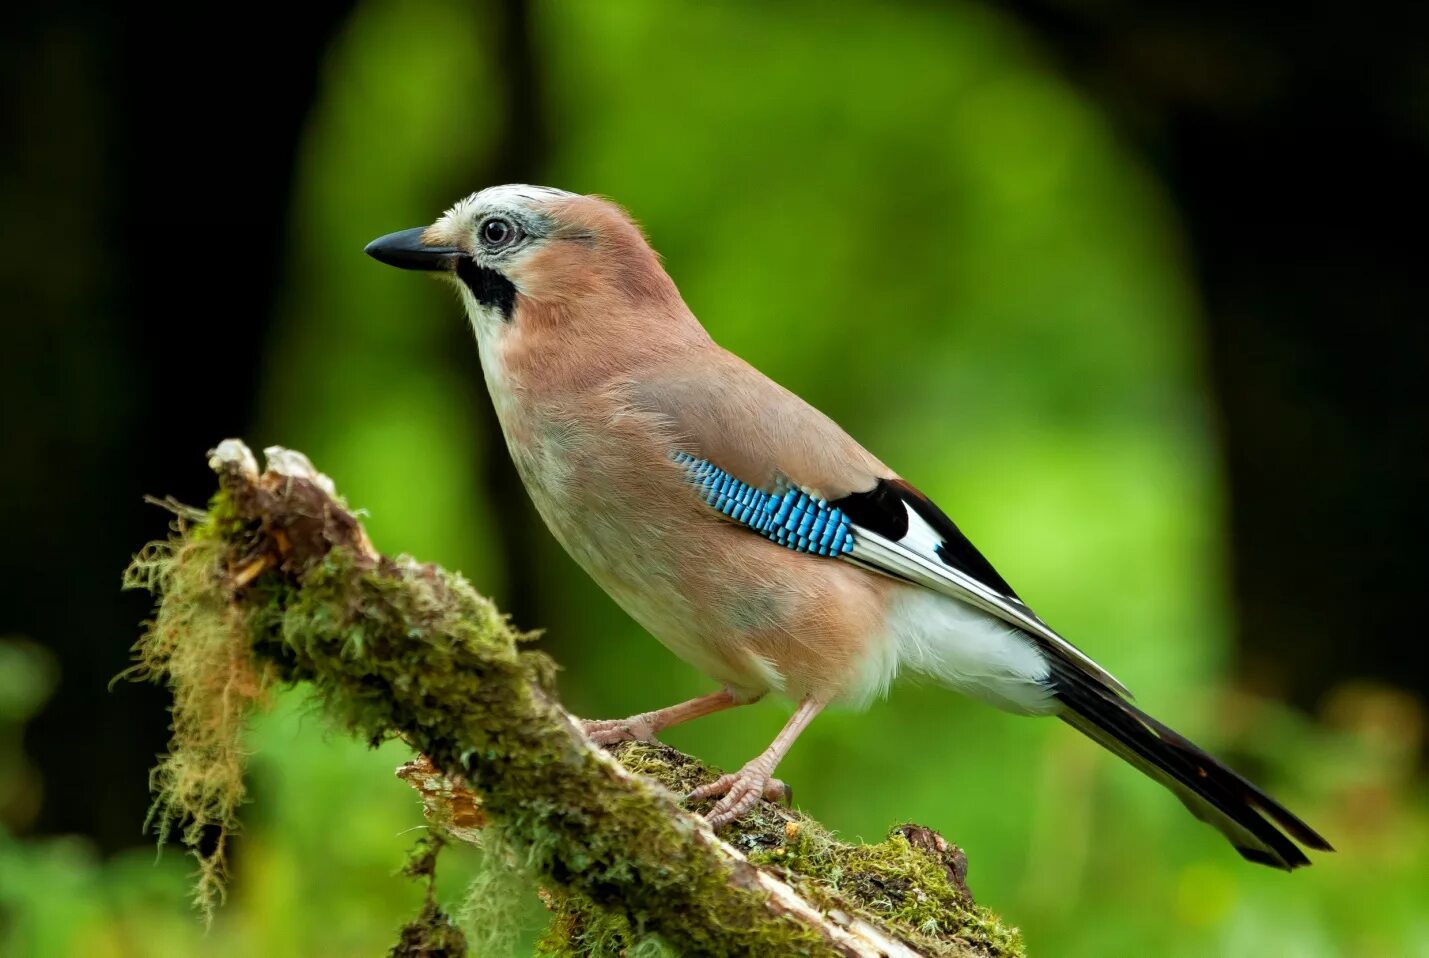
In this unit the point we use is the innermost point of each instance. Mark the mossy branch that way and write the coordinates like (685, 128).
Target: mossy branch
(277, 582)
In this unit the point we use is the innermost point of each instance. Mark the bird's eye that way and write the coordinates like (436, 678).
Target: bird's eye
(497, 232)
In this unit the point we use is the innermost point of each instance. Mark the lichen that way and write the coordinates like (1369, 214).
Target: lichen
(497, 894)
(197, 645)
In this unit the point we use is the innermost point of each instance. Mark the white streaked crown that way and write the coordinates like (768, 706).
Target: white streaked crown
(518, 195)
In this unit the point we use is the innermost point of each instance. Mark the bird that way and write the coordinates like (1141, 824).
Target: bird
(744, 529)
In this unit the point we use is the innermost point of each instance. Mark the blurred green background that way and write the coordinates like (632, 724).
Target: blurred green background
(1109, 283)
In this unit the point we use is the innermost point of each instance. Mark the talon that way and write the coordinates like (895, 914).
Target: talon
(740, 793)
(780, 793)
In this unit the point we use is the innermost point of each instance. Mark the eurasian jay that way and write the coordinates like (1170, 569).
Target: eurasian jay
(743, 528)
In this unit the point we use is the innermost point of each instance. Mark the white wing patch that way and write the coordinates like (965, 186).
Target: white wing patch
(921, 537)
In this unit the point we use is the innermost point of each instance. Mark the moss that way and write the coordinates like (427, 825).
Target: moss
(432, 934)
(279, 583)
(400, 646)
(916, 890)
(580, 929)
(896, 884)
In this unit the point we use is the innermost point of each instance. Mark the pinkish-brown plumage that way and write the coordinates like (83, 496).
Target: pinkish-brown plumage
(606, 386)
(601, 377)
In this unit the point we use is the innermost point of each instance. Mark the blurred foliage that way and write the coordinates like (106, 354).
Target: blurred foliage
(317, 865)
(904, 215)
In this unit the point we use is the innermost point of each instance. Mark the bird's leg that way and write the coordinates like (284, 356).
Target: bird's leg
(743, 789)
(645, 726)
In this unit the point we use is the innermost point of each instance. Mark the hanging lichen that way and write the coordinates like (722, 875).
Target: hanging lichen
(197, 645)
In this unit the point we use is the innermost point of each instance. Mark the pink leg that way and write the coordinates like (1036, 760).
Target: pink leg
(743, 789)
(645, 726)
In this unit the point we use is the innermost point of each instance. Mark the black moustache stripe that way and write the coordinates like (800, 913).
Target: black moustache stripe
(490, 288)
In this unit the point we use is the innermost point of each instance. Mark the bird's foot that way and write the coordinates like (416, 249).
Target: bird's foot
(741, 791)
(603, 732)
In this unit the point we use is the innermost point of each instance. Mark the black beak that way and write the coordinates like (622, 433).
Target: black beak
(405, 250)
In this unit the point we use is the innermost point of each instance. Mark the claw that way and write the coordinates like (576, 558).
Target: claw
(778, 792)
(740, 792)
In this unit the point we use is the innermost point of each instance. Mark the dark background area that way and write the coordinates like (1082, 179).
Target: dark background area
(148, 173)
(1293, 140)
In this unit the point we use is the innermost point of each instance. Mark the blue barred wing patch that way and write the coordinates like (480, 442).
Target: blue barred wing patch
(793, 518)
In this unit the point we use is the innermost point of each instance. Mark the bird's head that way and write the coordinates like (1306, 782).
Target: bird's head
(531, 261)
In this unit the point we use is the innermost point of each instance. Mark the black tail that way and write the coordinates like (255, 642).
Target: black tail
(1213, 793)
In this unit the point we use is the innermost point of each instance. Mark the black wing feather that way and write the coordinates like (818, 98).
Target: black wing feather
(956, 551)
(1179, 759)
(884, 510)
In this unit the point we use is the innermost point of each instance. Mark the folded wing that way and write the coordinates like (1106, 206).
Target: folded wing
(900, 532)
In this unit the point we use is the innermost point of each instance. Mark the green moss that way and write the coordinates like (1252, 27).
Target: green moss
(898, 885)
(432, 934)
(409, 648)
(223, 522)
(580, 929)
(892, 883)
(397, 648)
(400, 648)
